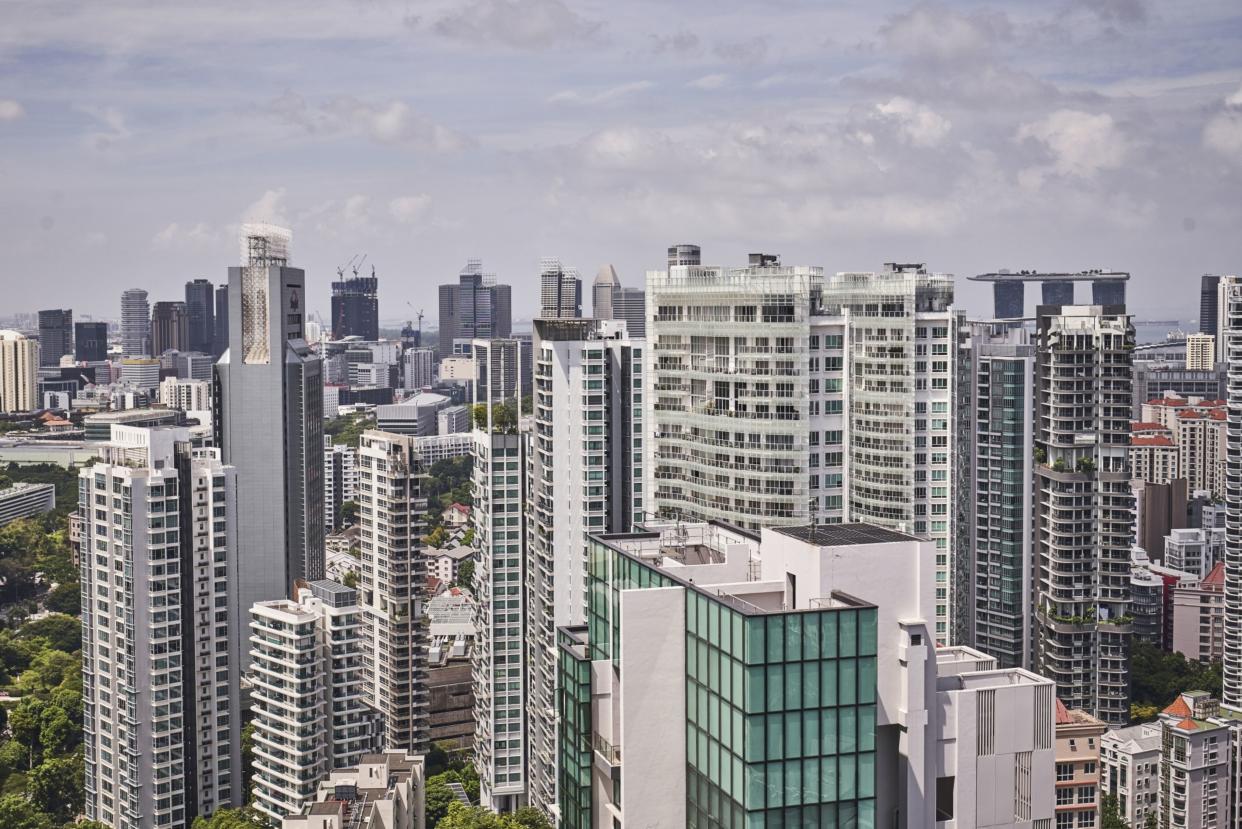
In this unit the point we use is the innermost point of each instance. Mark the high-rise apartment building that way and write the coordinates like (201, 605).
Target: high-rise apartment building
(391, 508)
(1084, 508)
(19, 373)
(1231, 335)
(585, 476)
(340, 480)
(160, 631)
(560, 290)
(418, 368)
(630, 304)
(186, 395)
(1000, 499)
(1200, 352)
(502, 369)
(603, 293)
(306, 694)
(220, 338)
(55, 335)
(90, 342)
(355, 306)
(170, 327)
(200, 303)
(269, 419)
(135, 324)
(1225, 286)
(475, 307)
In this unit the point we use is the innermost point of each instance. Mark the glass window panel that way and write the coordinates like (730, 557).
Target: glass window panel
(736, 696)
(828, 779)
(828, 728)
(866, 728)
(866, 774)
(713, 623)
(692, 700)
(867, 632)
(776, 638)
(828, 682)
(828, 634)
(793, 637)
(847, 728)
(754, 641)
(846, 788)
(793, 685)
(793, 735)
(810, 636)
(755, 746)
(811, 733)
(810, 685)
(692, 745)
(776, 737)
(847, 684)
(866, 814)
(737, 791)
(776, 688)
(755, 693)
(756, 786)
(713, 668)
(776, 784)
(866, 679)
(793, 782)
(735, 644)
(810, 780)
(847, 639)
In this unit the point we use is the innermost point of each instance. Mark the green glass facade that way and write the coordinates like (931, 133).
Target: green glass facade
(573, 703)
(780, 706)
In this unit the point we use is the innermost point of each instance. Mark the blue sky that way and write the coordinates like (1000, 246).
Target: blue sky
(134, 137)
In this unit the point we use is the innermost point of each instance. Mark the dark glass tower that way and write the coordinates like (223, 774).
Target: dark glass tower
(55, 335)
(355, 307)
(90, 342)
(200, 301)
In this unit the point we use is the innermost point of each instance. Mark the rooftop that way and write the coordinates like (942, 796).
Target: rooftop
(841, 535)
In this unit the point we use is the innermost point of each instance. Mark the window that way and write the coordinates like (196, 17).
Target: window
(1065, 771)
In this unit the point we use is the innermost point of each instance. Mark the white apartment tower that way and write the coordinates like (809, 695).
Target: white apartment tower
(1230, 334)
(501, 584)
(19, 373)
(585, 477)
(185, 394)
(160, 632)
(391, 508)
(560, 290)
(1084, 508)
(340, 480)
(306, 694)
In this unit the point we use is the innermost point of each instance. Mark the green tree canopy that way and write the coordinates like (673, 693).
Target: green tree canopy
(16, 812)
(55, 787)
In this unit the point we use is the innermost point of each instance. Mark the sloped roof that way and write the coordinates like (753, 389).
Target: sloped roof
(1178, 708)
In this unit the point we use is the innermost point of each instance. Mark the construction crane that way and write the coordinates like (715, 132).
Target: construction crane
(359, 265)
(340, 271)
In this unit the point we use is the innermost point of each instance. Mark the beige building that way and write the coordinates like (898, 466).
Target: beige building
(1153, 458)
(1199, 617)
(19, 372)
(1130, 770)
(1194, 769)
(384, 791)
(1200, 352)
(1078, 768)
(1196, 428)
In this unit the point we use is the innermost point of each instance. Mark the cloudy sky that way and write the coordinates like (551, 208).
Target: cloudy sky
(135, 136)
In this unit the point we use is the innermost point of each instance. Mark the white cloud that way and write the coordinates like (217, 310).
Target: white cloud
(612, 93)
(269, 208)
(11, 110)
(1223, 132)
(709, 81)
(112, 131)
(409, 210)
(1081, 144)
(918, 125)
(356, 211)
(521, 24)
(173, 235)
(935, 32)
(392, 122)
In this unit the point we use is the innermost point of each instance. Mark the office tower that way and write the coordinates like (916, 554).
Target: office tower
(418, 368)
(603, 293)
(684, 255)
(135, 324)
(475, 307)
(269, 419)
(1084, 510)
(90, 342)
(340, 480)
(1209, 307)
(789, 678)
(160, 657)
(140, 372)
(630, 304)
(1153, 380)
(391, 507)
(1001, 501)
(19, 373)
(1200, 352)
(194, 365)
(306, 694)
(220, 338)
(55, 335)
(200, 303)
(560, 290)
(355, 306)
(585, 475)
(170, 328)
(498, 662)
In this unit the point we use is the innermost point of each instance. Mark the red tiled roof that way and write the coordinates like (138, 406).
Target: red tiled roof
(1218, 414)
(1151, 440)
(1217, 575)
(1166, 401)
(1190, 413)
(1178, 708)
(1147, 426)
(1187, 724)
(1063, 714)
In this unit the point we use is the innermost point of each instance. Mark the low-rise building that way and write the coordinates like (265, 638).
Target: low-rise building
(384, 791)
(446, 564)
(1199, 617)
(1078, 768)
(23, 500)
(1130, 770)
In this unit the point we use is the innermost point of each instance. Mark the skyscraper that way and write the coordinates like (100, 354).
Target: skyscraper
(1084, 509)
(603, 292)
(90, 342)
(55, 335)
(355, 306)
(220, 337)
(476, 307)
(135, 324)
(340, 480)
(160, 658)
(1000, 431)
(269, 419)
(1209, 305)
(684, 255)
(1231, 335)
(19, 373)
(200, 302)
(391, 507)
(585, 471)
(560, 290)
(170, 328)
(630, 304)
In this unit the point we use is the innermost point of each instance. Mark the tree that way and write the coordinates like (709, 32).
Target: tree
(1110, 813)
(436, 537)
(65, 598)
(439, 798)
(1158, 677)
(48, 670)
(528, 817)
(58, 630)
(26, 723)
(55, 787)
(350, 579)
(465, 574)
(349, 512)
(230, 819)
(57, 733)
(1150, 823)
(16, 812)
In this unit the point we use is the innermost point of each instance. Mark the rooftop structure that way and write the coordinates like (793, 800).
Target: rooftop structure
(1008, 288)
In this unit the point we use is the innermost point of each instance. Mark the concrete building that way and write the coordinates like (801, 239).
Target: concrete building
(160, 658)
(419, 367)
(1197, 428)
(1084, 508)
(1153, 458)
(585, 473)
(170, 328)
(1078, 768)
(475, 307)
(1194, 550)
(135, 324)
(141, 372)
(200, 305)
(220, 341)
(1200, 352)
(19, 373)
(306, 694)
(1230, 334)
(442, 447)
(1195, 779)
(384, 791)
(269, 418)
(1001, 429)
(55, 335)
(1130, 770)
(23, 500)
(355, 306)
(1199, 617)
(1209, 286)
(501, 370)
(801, 699)
(1155, 379)
(453, 420)
(416, 415)
(603, 293)
(340, 480)
(90, 341)
(560, 290)
(391, 508)
(186, 395)
(630, 304)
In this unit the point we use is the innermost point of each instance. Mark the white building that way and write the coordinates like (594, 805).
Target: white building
(1194, 550)
(340, 480)
(384, 791)
(306, 694)
(19, 372)
(446, 564)
(560, 290)
(161, 632)
(419, 366)
(442, 447)
(1200, 352)
(186, 395)
(23, 500)
(142, 372)
(1130, 770)
(390, 511)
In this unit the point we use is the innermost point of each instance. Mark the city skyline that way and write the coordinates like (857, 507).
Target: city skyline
(967, 137)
